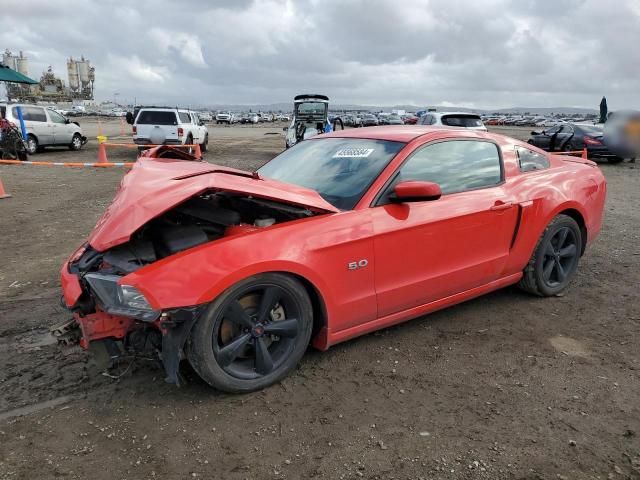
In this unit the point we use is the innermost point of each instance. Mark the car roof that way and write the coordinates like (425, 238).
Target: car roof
(404, 133)
(441, 114)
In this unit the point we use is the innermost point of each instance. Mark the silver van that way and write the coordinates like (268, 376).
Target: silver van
(45, 127)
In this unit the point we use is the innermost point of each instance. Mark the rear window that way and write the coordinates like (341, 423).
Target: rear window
(461, 121)
(593, 130)
(156, 117)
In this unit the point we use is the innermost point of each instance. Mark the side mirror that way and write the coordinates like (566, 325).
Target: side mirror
(129, 118)
(537, 133)
(416, 191)
(284, 129)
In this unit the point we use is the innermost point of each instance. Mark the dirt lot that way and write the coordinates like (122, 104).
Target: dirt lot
(506, 386)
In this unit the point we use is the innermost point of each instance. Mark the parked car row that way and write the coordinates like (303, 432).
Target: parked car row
(535, 120)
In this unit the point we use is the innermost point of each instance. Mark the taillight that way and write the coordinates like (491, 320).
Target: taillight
(135, 129)
(591, 141)
(180, 132)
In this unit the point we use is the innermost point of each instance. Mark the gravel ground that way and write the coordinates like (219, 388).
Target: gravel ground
(505, 386)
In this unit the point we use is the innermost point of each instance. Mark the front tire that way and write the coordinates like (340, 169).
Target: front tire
(253, 335)
(205, 144)
(555, 259)
(76, 142)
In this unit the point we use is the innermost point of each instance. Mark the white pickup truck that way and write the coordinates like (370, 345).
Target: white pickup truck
(168, 126)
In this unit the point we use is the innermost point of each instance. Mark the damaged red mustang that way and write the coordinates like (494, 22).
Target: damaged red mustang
(341, 235)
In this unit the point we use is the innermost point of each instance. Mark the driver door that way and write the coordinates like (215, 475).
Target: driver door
(62, 131)
(428, 250)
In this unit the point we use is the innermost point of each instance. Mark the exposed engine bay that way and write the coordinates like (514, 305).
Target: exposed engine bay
(199, 220)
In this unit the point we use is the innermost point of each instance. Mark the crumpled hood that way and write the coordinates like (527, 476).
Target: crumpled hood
(154, 186)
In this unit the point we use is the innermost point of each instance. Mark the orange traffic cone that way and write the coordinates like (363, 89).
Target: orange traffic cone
(196, 151)
(102, 153)
(3, 193)
(584, 154)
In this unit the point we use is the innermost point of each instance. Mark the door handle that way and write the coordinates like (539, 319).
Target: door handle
(499, 205)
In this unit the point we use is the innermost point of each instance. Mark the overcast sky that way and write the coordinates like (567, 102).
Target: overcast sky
(483, 53)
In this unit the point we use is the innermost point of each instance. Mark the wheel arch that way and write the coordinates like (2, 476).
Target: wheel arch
(320, 315)
(579, 218)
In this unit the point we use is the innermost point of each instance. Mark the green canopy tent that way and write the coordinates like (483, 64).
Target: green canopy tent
(9, 75)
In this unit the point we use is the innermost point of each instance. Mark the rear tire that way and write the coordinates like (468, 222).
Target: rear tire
(32, 144)
(253, 335)
(555, 258)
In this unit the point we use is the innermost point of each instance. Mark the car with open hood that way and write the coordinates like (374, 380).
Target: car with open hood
(343, 234)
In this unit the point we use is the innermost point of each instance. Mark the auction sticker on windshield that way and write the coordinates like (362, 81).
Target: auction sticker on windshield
(354, 153)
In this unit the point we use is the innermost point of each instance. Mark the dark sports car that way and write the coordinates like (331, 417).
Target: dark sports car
(574, 136)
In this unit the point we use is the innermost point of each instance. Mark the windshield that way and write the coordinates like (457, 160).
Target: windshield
(461, 121)
(156, 117)
(311, 107)
(341, 170)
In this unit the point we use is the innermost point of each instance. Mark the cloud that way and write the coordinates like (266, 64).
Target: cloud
(185, 45)
(492, 53)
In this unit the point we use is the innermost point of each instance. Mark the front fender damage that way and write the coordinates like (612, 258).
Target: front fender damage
(176, 326)
(112, 338)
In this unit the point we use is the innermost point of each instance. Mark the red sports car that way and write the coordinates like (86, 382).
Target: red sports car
(341, 235)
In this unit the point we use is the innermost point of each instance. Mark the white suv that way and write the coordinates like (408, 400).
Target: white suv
(45, 127)
(168, 126)
(471, 121)
(223, 117)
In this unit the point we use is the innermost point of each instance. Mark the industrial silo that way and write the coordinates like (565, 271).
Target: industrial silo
(72, 73)
(22, 65)
(9, 60)
(83, 72)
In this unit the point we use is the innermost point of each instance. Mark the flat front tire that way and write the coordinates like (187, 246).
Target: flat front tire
(253, 335)
(76, 142)
(555, 260)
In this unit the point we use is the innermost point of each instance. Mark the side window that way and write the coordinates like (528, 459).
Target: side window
(423, 120)
(455, 165)
(552, 130)
(56, 117)
(184, 117)
(32, 114)
(529, 160)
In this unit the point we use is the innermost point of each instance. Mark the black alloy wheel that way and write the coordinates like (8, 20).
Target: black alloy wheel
(560, 257)
(555, 259)
(253, 335)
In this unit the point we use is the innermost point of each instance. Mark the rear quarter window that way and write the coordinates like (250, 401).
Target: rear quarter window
(528, 160)
(156, 117)
(184, 117)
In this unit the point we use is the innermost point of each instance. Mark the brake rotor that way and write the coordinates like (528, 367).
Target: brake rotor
(250, 303)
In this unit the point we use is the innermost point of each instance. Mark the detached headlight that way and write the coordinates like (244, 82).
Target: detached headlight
(120, 299)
